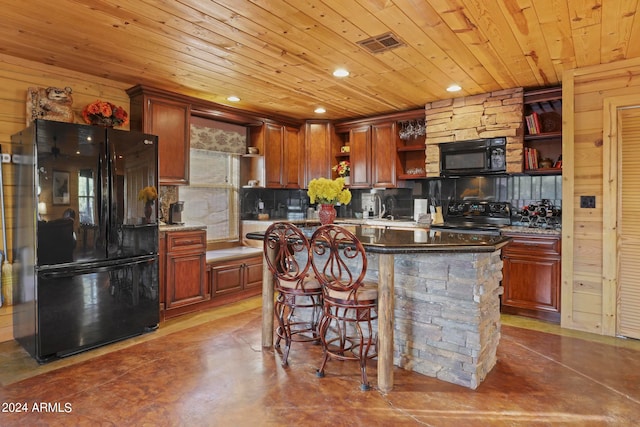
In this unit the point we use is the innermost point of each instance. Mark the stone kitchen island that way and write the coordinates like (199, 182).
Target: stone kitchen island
(438, 301)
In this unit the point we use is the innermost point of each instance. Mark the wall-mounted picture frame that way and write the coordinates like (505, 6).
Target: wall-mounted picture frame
(60, 188)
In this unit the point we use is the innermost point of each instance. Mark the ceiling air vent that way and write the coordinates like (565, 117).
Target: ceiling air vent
(381, 43)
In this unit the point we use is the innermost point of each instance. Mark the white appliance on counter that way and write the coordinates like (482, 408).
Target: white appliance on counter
(420, 208)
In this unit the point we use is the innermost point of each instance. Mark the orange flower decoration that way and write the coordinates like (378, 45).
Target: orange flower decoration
(105, 114)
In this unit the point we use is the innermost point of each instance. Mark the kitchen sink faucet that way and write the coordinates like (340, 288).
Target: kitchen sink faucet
(381, 208)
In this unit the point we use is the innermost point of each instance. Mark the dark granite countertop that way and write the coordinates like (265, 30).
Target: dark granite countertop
(401, 241)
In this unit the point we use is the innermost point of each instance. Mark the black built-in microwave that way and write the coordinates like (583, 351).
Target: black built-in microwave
(477, 157)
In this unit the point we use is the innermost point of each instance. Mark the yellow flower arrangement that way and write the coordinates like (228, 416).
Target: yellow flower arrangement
(148, 194)
(328, 191)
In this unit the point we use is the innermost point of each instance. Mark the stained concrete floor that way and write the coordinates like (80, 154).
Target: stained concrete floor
(209, 369)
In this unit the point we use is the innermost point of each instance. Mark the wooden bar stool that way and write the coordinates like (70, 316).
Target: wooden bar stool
(286, 250)
(350, 304)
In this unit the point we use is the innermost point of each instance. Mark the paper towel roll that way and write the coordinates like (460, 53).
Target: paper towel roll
(420, 207)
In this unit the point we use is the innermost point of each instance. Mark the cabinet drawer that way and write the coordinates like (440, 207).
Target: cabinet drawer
(533, 245)
(186, 241)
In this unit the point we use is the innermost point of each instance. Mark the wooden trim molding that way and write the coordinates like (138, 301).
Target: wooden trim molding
(568, 179)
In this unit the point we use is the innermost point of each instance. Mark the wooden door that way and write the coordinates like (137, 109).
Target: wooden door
(383, 153)
(360, 142)
(629, 226)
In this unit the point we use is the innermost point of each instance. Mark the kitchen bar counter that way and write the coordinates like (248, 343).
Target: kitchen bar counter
(448, 311)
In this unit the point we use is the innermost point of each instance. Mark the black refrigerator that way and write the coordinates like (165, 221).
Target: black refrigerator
(84, 243)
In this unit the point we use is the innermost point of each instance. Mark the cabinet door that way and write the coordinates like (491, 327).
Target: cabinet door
(253, 272)
(186, 281)
(226, 277)
(383, 152)
(317, 151)
(273, 155)
(170, 121)
(531, 278)
(292, 154)
(360, 141)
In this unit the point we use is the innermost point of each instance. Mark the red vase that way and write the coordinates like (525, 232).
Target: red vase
(327, 214)
(148, 210)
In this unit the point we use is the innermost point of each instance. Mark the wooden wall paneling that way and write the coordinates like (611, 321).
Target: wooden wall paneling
(587, 292)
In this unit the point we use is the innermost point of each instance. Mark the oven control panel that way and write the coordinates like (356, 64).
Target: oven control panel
(479, 209)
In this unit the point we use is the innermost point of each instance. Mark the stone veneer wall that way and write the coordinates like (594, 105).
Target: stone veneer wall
(447, 314)
(487, 115)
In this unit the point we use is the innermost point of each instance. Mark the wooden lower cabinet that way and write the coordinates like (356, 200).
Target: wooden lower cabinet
(184, 275)
(531, 276)
(236, 276)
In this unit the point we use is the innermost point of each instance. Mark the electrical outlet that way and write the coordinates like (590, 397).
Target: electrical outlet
(588, 202)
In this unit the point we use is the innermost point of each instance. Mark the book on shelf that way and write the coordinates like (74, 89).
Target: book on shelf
(533, 123)
(531, 158)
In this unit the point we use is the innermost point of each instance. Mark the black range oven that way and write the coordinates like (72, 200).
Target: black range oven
(477, 217)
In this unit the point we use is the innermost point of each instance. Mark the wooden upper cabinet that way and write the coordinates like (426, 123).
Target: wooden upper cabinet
(155, 112)
(383, 153)
(318, 152)
(273, 155)
(293, 154)
(360, 142)
(281, 146)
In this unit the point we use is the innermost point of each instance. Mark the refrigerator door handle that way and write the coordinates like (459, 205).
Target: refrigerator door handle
(96, 268)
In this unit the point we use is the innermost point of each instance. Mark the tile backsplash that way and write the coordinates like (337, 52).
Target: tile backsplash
(519, 190)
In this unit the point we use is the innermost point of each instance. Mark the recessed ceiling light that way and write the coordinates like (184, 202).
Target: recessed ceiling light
(340, 72)
(320, 110)
(454, 88)
(233, 99)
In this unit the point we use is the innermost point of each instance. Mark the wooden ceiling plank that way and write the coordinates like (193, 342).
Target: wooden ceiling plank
(555, 25)
(271, 37)
(421, 50)
(459, 19)
(285, 82)
(501, 38)
(524, 24)
(278, 54)
(432, 25)
(617, 27)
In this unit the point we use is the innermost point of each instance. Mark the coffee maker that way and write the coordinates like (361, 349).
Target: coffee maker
(175, 213)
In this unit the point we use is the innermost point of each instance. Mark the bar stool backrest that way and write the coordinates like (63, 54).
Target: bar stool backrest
(338, 258)
(286, 250)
